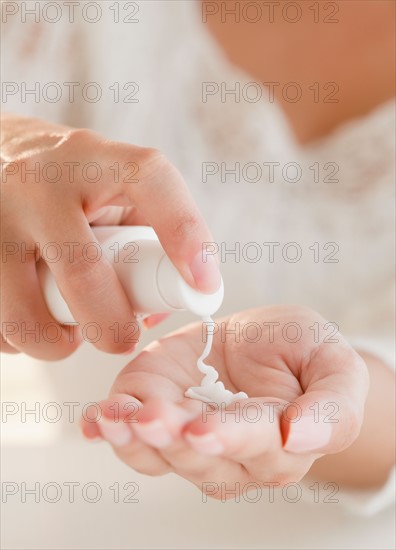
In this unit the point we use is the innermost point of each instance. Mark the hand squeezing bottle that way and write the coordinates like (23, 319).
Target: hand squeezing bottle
(152, 285)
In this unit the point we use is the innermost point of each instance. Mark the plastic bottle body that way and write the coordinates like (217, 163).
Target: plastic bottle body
(150, 281)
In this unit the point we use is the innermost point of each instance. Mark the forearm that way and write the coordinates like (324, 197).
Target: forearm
(369, 460)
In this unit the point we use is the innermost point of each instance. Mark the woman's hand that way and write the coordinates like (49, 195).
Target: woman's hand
(56, 181)
(306, 388)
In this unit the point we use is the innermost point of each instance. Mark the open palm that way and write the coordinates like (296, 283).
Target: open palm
(306, 391)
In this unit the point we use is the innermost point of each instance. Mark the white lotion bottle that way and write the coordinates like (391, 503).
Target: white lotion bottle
(150, 280)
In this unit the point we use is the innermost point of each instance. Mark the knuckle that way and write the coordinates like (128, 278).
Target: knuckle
(80, 136)
(81, 273)
(78, 143)
(150, 156)
(186, 224)
(152, 165)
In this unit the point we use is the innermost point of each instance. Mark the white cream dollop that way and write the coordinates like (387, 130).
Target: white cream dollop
(211, 390)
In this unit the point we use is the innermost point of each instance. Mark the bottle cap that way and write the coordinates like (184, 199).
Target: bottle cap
(179, 295)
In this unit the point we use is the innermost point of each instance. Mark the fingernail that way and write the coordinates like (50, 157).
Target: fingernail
(90, 431)
(154, 433)
(93, 436)
(307, 434)
(153, 320)
(207, 444)
(206, 273)
(116, 433)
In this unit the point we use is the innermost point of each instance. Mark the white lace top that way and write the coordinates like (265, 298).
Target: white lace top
(338, 217)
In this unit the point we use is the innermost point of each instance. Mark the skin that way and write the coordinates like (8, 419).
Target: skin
(156, 380)
(35, 213)
(283, 53)
(357, 53)
(267, 450)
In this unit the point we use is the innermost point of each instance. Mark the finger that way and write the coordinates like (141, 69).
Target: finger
(90, 286)
(132, 216)
(27, 325)
(247, 433)
(161, 197)
(118, 415)
(90, 430)
(154, 320)
(149, 383)
(328, 416)
(114, 215)
(161, 424)
(243, 430)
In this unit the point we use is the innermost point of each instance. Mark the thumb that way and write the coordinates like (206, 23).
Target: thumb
(328, 417)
